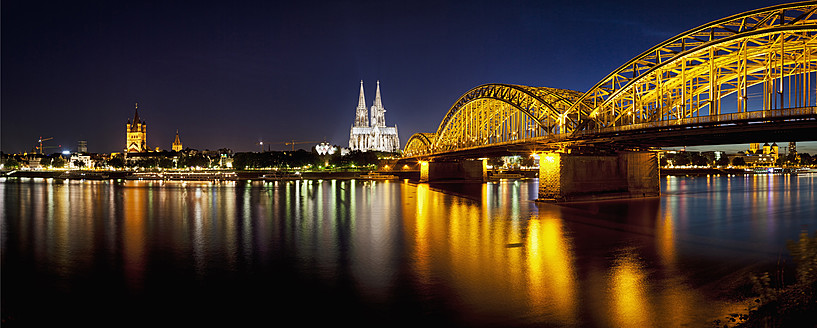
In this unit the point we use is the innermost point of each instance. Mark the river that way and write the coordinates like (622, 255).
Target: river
(119, 253)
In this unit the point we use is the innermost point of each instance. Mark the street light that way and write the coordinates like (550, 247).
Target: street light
(261, 143)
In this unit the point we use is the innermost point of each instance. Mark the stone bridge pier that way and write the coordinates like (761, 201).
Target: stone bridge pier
(576, 177)
(457, 170)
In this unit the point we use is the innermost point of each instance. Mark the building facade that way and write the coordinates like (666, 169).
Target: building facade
(136, 133)
(374, 135)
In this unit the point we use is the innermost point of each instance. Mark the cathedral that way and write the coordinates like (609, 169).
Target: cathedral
(377, 136)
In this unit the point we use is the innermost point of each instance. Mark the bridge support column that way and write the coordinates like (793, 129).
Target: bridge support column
(576, 177)
(460, 170)
(424, 171)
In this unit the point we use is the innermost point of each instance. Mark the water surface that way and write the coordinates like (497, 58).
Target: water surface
(110, 253)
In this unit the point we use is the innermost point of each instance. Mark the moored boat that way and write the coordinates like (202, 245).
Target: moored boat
(378, 176)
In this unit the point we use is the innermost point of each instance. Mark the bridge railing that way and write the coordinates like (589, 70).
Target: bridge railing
(711, 119)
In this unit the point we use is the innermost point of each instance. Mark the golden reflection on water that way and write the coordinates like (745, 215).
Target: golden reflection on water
(133, 231)
(499, 262)
(550, 267)
(629, 303)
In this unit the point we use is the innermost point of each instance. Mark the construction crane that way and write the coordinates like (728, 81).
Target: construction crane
(293, 143)
(40, 147)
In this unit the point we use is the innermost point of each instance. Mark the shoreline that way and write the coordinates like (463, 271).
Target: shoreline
(258, 175)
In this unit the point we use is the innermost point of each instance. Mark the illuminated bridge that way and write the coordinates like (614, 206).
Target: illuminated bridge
(743, 78)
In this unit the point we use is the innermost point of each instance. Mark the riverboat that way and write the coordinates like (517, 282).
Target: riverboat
(498, 176)
(277, 176)
(186, 176)
(378, 176)
(85, 175)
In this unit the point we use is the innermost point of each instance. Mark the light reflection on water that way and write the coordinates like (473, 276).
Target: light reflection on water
(374, 252)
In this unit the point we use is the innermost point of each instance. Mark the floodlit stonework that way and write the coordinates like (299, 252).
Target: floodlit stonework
(136, 134)
(177, 144)
(375, 136)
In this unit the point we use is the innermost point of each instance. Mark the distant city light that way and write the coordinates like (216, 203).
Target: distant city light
(66, 152)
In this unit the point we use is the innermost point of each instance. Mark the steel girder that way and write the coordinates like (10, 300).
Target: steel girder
(683, 80)
(419, 144)
(691, 74)
(493, 113)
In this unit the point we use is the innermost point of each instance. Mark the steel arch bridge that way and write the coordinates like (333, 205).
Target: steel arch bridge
(747, 71)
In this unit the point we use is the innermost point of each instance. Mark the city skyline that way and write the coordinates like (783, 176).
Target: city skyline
(231, 76)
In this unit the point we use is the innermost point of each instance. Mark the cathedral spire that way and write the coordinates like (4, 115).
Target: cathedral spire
(361, 115)
(378, 112)
(377, 102)
(361, 100)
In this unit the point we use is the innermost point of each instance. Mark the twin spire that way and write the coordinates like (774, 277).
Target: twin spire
(377, 110)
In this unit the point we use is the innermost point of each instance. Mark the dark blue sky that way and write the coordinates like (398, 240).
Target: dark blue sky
(229, 74)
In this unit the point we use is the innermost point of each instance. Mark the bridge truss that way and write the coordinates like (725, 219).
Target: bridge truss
(755, 65)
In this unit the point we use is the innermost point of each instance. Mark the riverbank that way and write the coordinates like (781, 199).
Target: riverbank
(310, 175)
(251, 175)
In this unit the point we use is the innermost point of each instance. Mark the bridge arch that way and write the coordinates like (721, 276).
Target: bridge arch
(419, 144)
(493, 113)
(746, 67)
(770, 50)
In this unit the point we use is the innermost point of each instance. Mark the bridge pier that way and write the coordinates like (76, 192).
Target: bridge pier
(575, 177)
(460, 170)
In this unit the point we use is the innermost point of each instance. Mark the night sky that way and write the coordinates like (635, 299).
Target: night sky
(228, 74)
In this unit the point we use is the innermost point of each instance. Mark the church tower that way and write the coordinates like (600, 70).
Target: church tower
(177, 144)
(136, 133)
(362, 115)
(378, 112)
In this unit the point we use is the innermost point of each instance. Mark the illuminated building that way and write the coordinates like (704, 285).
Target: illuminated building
(766, 155)
(375, 136)
(177, 144)
(77, 161)
(82, 146)
(325, 149)
(136, 134)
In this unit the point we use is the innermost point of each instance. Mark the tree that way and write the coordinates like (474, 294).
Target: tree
(681, 159)
(116, 161)
(738, 161)
(79, 164)
(147, 162)
(194, 161)
(698, 160)
(723, 161)
(45, 161)
(806, 159)
(58, 162)
(12, 163)
(166, 163)
(527, 161)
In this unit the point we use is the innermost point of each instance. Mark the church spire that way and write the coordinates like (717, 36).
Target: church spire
(177, 144)
(361, 115)
(377, 101)
(136, 113)
(361, 99)
(378, 112)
